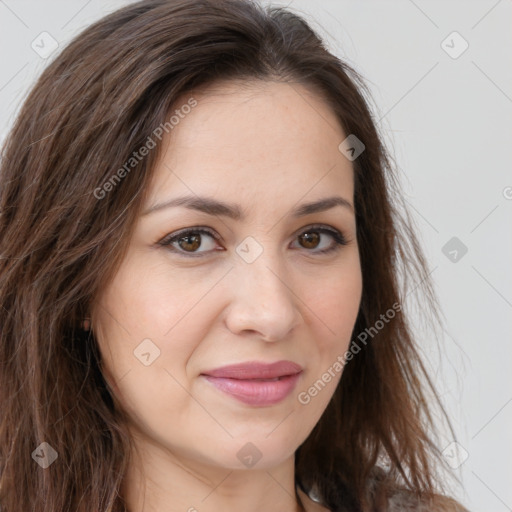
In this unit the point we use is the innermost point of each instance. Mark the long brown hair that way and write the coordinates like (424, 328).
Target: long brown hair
(61, 243)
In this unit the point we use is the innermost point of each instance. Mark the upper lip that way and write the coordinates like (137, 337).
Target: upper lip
(255, 370)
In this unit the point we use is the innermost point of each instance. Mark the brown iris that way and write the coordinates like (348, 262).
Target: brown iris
(310, 237)
(193, 242)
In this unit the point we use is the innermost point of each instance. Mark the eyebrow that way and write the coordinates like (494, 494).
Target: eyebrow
(212, 206)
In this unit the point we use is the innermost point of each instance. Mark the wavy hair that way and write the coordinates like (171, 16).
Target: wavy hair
(91, 108)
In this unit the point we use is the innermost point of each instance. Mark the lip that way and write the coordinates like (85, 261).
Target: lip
(251, 382)
(255, 370)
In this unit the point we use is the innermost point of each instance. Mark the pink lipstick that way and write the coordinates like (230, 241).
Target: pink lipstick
(256, 383)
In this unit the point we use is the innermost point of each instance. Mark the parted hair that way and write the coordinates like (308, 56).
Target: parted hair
(97, 101)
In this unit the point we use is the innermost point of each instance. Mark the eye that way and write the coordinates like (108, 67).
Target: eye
(188, 241)
(312, 238)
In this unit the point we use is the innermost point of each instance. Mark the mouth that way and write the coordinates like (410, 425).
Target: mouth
(254, 383)
(257, 392)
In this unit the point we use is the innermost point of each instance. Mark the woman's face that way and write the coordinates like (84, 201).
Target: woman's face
(256, 288)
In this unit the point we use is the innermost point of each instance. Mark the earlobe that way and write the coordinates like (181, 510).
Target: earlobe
(86, 324)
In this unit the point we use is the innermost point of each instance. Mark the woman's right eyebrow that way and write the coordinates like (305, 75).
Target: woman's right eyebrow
(215, 207)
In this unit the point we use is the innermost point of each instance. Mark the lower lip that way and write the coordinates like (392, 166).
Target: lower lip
(256, 392)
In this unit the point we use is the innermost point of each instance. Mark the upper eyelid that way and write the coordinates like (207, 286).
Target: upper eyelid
(215, 235)
(168, 239)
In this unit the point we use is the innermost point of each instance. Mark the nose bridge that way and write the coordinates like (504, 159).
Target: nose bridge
(263, 300)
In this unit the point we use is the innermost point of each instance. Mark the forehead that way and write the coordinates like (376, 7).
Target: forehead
(244, 138)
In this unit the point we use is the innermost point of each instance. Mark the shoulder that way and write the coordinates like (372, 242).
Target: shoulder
(402, 500)
(384, 492)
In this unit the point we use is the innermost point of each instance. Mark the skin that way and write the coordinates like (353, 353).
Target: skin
(267, 146)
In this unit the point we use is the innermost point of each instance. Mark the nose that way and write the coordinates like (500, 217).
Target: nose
(263, 301)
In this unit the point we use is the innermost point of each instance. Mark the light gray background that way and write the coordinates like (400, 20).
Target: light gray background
(448, 123)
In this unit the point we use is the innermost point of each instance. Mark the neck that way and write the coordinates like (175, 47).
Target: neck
(158, 480)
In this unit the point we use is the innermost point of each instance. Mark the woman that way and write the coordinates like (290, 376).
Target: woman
(200, 281)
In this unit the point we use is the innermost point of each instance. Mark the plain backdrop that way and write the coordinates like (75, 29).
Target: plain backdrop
(441, 78)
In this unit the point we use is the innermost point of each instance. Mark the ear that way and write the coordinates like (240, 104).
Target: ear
(86, 324)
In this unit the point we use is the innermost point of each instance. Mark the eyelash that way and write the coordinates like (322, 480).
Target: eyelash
(338, 237)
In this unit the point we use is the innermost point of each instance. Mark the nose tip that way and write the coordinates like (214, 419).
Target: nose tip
(263, 305)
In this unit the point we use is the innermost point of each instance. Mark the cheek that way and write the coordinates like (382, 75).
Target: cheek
(146, 337)
(142, 319)
(335, 310)
(336, 305)
(151, 304)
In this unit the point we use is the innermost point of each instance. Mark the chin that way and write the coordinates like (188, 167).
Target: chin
(255, 452)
